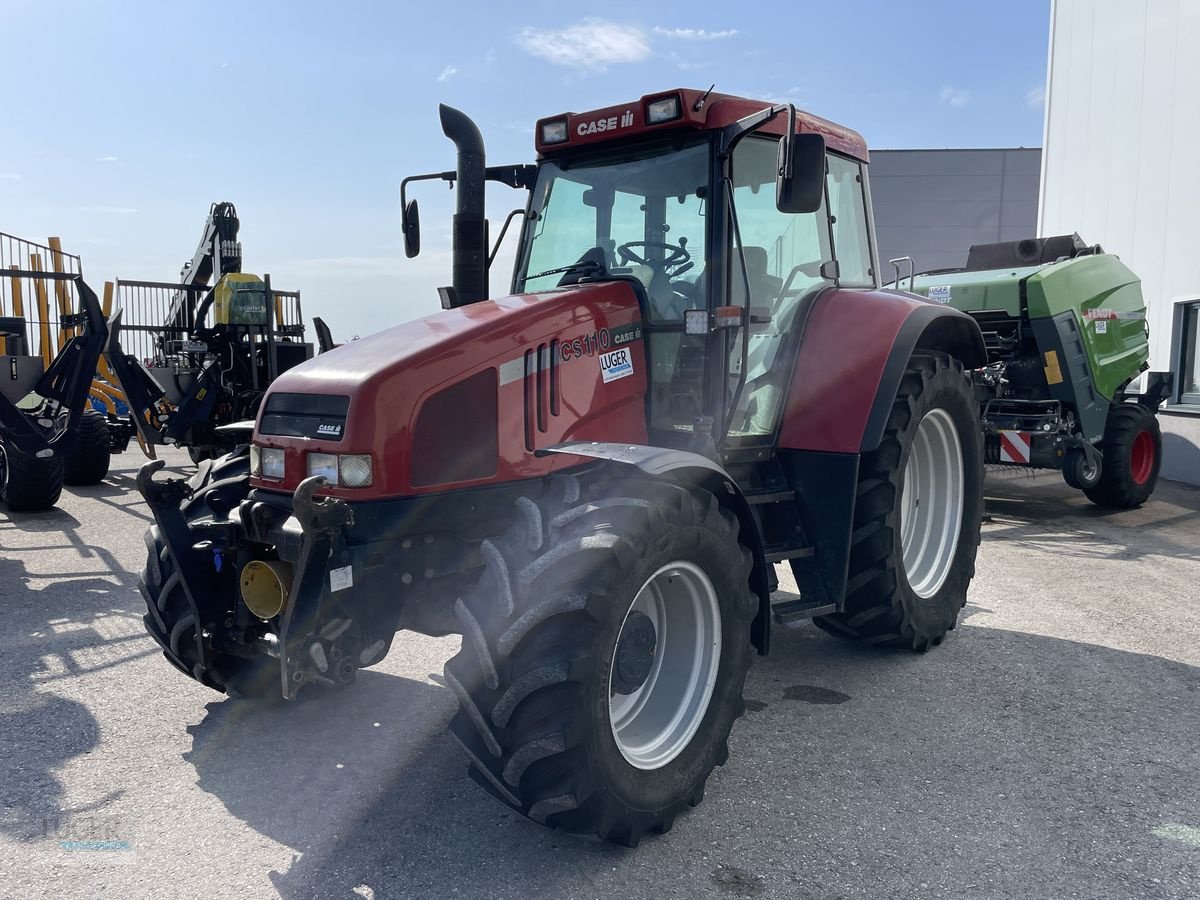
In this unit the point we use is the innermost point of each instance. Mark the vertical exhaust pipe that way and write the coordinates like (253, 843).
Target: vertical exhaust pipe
(469, 268)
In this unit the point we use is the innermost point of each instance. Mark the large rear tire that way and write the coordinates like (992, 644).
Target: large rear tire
(88, 459)
(917, 514)
(605, 647)
(1132, 456)
(29, 483)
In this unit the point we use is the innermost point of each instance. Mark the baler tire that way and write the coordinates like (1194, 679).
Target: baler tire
(88, 459)
(534, 676)
(1131, 432)
(29, 483)
(169, 618)
(881, 607)
(1076, 472)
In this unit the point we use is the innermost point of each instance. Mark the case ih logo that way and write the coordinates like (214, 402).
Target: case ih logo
(612, 123)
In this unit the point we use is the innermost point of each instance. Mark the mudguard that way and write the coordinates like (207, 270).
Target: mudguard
(855, 349)
(694, 470)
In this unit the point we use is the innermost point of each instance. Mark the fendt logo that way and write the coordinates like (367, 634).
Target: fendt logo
(612, 123)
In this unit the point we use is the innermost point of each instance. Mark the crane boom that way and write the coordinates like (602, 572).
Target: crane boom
(218, 253)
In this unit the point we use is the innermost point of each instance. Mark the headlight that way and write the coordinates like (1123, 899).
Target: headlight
(355, 469)
(324, 464)
(271, 463)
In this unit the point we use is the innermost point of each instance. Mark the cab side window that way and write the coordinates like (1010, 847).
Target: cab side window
(848, 206)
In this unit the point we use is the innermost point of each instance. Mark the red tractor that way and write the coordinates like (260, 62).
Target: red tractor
(695, 377)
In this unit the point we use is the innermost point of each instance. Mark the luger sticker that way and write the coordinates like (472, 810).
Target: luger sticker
(616, 364)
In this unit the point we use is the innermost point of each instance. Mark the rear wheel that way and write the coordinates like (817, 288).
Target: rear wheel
(603, 657)
(29, 483)
(917, 514)
(1132, 451)
(88, 459)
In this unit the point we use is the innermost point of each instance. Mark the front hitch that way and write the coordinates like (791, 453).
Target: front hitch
(322, 520)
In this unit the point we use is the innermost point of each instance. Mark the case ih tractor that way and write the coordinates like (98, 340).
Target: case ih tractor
(1065, 328)
(695, 377)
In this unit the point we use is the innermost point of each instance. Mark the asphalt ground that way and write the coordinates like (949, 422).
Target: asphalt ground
(1050, 748)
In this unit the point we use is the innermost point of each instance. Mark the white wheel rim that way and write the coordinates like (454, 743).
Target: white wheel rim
(931, 503)
(656, 722)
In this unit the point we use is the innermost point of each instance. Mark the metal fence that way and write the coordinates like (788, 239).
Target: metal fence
(156, 315)
(36, 285)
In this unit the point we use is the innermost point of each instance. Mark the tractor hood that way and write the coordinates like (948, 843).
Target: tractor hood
(366, 396)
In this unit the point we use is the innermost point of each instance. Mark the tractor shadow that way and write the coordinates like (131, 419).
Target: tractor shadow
(60, 632)
(1041, 513)
(1025, 759)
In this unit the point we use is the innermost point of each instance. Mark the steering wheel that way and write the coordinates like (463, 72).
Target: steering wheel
(677, 254)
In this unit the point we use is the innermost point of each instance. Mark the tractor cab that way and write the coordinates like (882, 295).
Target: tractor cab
(681, 196)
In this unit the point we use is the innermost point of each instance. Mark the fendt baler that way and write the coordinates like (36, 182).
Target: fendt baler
(1065, 328)
(695, 377)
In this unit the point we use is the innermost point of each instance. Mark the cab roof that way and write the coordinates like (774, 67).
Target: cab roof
(627, 121)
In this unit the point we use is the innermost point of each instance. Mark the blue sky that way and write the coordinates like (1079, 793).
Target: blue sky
(123, 122)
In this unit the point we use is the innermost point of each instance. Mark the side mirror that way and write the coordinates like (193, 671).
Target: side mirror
(410, 225)
(800, 182)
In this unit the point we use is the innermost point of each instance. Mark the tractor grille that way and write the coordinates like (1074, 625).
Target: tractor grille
(305, 415)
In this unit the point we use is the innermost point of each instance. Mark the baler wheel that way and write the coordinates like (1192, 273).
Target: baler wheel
(1132, 450)
(917, 514)
(29, 483)
(604, 651)
(88, 459)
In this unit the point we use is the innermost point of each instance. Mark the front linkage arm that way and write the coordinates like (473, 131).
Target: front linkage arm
(322, 521)
(165, 499)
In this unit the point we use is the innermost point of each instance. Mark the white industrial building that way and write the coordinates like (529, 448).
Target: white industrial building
(1121, 166)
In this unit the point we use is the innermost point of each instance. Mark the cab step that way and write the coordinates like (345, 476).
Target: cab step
(785, 612)
(758, 497)
(775, 553)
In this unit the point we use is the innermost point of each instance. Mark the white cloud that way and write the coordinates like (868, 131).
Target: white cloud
(1036, 97)
(695, 34)
(952, 96)
(109, 210)
(10, 176)
(107, 159)
(592, 45)
(448, 73)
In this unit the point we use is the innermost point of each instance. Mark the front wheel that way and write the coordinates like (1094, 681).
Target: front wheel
(603, 657)
(88, 459)
(917, 514)
(29, 483)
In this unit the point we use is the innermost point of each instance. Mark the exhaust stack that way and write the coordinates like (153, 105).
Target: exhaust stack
(469, 268)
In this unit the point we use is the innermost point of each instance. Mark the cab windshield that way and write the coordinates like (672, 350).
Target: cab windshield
(636, 212)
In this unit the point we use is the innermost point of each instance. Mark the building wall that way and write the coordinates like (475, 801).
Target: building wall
(933, 205)
(1122, 148)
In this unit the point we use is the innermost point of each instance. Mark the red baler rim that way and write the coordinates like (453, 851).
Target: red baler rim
(1141, 458)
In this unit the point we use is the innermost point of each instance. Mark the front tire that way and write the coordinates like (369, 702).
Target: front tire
(587, 701)
(29, 483)
(1132, 456)
(169, 618)
(89, 457)
(917, 514)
